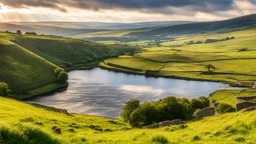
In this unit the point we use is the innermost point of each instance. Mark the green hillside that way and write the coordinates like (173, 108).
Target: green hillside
(22, 69)
(28, 61)
(24, 124)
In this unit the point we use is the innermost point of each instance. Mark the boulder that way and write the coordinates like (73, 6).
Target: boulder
(152, 126)
(209, 111)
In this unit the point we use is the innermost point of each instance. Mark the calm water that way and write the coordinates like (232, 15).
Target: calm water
(102, 92)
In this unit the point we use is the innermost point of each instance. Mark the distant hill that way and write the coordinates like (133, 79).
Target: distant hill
(248, 21)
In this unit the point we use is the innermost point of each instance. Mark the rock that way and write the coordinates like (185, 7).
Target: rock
(215, 104)
(252, 108)
(71, 130)
(56, 130)
(97, 128)
(152, 126)
(173, 122)
(108, 130)
(209, 111)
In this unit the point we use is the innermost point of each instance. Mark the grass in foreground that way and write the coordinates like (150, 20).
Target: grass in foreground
(24, 123)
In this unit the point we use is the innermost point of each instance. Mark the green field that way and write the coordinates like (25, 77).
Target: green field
(188, 61)
(28, 124)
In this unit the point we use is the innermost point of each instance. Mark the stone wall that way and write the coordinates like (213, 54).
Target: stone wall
(244, 105)
(64, 111)
(209, 111)
(245, 102)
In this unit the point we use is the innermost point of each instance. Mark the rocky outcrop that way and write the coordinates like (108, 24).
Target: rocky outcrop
(209, 111)
(245, 102)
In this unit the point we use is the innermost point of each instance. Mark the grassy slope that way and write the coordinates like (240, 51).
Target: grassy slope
(188, 61)
(229, 96)
(23, 121)
(66, 51)
(22, 69)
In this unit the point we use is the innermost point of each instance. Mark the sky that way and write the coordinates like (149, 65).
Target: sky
(126, 11)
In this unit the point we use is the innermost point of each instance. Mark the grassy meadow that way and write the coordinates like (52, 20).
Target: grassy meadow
(234, 59)
(27, 124)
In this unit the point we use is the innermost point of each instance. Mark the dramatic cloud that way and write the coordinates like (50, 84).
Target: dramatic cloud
(129, 10)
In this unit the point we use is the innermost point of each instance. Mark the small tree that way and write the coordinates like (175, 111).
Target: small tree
(4, 89)
(128, 108)
(209, 67)
(18, 32)
(62, 77)
(57, 71)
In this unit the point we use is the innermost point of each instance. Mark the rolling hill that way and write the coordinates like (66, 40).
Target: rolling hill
(244, 22)
(28, 61)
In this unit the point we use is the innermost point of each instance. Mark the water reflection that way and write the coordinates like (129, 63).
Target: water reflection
(102, 92)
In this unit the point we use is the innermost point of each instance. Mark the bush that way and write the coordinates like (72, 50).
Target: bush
(18, 32)
(160, 139)
(62, 77)
(224, 108)
(4, 89)
(145, 114)
(128, 108)
(57, 71)
(169, 108)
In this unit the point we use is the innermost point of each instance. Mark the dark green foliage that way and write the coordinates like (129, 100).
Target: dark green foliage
(128, 108)
(196, 138)
(209, 67)
(200, 103)
(4, 89)
(243, 49)
(169, 108)
(145, 114)
(62, 77)
(160, 139)
(30, 33)
(224, 108)
(18, 32)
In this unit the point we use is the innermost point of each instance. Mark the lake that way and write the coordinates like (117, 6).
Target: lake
(102, 92)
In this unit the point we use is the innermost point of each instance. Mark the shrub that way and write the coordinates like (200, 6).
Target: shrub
(197, 104)
(62, 77)
(160, 139)
(4, 89)
(224, 108)
(128, 108)
(57, 71)
(145, 114)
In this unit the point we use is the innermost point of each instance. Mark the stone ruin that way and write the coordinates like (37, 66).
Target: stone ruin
(166, 123)
(245, 102)
(209, 111)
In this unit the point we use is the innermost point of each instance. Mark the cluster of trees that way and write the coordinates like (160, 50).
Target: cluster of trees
(4, 89)
(218, 40)
(18, 32)
(61, 75)
(169, 108)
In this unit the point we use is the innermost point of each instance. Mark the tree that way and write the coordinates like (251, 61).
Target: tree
(62, 77)
(18, 32)
(4, 89)
(145, 114)
(128, 108)
(209, 67)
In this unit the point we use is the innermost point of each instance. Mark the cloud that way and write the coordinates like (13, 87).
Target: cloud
(148, 5)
